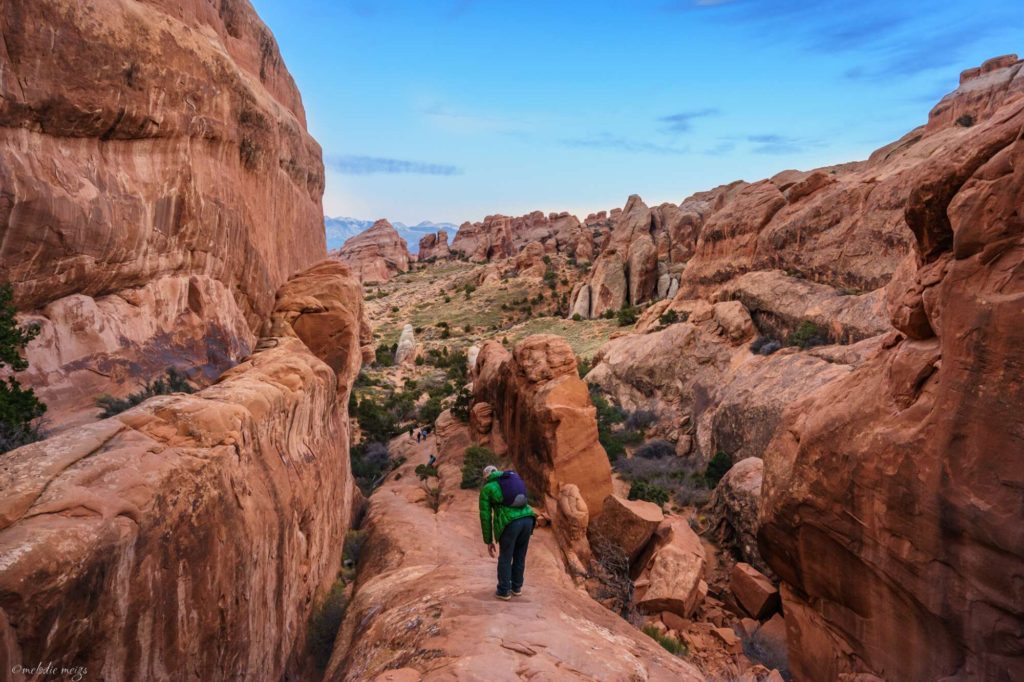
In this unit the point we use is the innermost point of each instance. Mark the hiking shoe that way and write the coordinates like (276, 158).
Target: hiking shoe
(517, 593)
(502, 597)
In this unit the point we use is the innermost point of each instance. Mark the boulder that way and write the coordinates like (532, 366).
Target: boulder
(734, 321)
(753, 590)
(675, 572)
(626, 524)
(608, 288)
(734, 508)
(376, 254)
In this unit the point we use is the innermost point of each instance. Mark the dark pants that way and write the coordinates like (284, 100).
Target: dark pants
(512, 554)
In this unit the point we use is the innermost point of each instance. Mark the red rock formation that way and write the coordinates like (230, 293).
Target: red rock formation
(499, 237)
(434, 246)
(376, 253)
(157, 185)
(544, 411)
(191, 535)
(892, 497)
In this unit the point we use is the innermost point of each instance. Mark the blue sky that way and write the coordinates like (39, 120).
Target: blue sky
(450, 110)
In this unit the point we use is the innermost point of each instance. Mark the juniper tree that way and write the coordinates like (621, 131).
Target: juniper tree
(19, 407)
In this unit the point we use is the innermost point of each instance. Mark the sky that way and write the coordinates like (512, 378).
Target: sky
(451, 110)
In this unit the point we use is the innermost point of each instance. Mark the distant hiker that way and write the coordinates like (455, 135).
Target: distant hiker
(419, 435)
(431, 461)
(504, 495)
(410, 432)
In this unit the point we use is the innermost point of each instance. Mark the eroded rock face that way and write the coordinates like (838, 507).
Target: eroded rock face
(434, 246)
(544, 411)
(376, 254)
(193, 532)
(405, 354)
(499, 237)
(153, 226)
(892, 497)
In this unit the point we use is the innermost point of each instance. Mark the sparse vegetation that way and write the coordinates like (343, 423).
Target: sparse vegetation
(477, 457)
(173, 381)
(425, 471)
(324, 624)
(20, 409)
(651, 492)
(717, 468)
(669, 643)
(626, 316)
(808, 335)
(671, 317)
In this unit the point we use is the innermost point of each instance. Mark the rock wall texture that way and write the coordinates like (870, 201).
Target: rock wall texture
(157, 185)
(545, 415)
(892, 498)
(434, 245)
(191, 535)
(376, 253)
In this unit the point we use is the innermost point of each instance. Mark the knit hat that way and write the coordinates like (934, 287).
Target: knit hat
(488, 470)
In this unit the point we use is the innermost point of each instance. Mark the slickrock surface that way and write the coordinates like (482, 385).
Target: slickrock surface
(892, 497)
(190, 535)
(375, 254)
(424, 599)
(545, 412)
(157, 185)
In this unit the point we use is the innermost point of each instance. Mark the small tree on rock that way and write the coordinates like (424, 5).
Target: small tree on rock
(19, 407)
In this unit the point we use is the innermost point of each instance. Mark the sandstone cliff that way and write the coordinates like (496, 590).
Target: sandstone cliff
(434, 246)
(375, 254)
(191, 534)
(157, 185)
(893, 496)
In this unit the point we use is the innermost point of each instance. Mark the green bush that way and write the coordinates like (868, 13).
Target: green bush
(670, 644)
(20, 409)
(717, 468)
(430, 411)
(808, 335)
(425, 471)
(324, 624)
(477, 457)
(384, 356)
(376, 423)
(463, 401)
(175, 382)
(626, 316)
(650, 492)
(576, 317)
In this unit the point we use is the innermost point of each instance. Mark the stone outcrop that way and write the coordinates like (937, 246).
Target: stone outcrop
(544, 411)
(192, 532)
(734, 507)
(608, 284)
(628, 525)
(376, 254)
(157, 185)
(405, 353)
(892, 496)
(672, 578)
(434, 246)
(499, 237)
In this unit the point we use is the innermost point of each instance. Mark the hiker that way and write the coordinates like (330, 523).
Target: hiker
(504, 495)
(431, 461)
(410, 433)
(419, 435)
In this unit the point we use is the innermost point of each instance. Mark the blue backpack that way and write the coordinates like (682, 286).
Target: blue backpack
(513, 490)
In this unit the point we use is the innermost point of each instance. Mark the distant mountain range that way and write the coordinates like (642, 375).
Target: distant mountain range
(340, 229)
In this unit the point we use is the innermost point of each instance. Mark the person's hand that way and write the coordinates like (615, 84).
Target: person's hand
(492, 550)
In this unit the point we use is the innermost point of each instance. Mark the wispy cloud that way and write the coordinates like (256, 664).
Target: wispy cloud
(774, 143)
(623, 144)
(683, 121)
(369, 165)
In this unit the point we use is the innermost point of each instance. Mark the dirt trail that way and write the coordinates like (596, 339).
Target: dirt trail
(424, 598)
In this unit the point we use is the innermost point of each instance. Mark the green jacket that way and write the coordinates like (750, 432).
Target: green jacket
(491, 500)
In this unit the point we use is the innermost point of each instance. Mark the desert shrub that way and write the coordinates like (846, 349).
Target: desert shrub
(353, 547)
(172, 382)
(668, 317)
(20, 409)
(446, 333)
(430, 411)
(626, 316)
(611, 569)
(965, 121)
(324, 624)
(640, 420)
(764, 345)
(463, 401)
(371, 463)
(808, 335)
(629, 436)
(447, 299)
(608, 314)
(669, 643)
(419, 360)
(477, 457)
(442, 324)
(584, 365)
(576, 317)
(717, 468)
(425, 471)
(376, 423)
(673, 475)
(651, 492)
(656, 449)
(383, 356)
(394, 308)
(433, 496)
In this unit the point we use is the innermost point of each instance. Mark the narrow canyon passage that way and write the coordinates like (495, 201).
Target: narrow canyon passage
(424, 598)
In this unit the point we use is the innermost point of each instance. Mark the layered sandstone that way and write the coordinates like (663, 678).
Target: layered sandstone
(193, 532)
(498, 237)
(376, 254)
(892, 497)
(434, 246)
(157, 185)
(544, 412)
